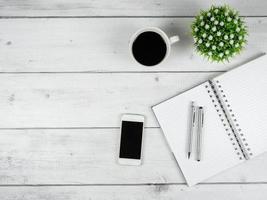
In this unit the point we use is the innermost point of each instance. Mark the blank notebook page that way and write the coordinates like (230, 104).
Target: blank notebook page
(246, 91)
(174, 118)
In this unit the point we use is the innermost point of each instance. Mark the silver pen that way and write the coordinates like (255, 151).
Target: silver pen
(192, 126)
(200, 132)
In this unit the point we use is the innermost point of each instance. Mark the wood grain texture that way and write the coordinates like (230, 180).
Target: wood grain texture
(123, 8)
(91, 81)
(89, 156)
(100, 45)
(158, 192)
(86, 100)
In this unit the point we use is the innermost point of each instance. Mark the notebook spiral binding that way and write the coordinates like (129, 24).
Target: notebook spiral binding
(227, 116)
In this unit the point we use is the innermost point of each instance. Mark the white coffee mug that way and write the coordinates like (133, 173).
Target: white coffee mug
(168, 41)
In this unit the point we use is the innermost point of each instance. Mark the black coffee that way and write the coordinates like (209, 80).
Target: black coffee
(149, 48)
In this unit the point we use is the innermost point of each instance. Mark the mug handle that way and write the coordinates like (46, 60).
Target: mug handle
(174, 39)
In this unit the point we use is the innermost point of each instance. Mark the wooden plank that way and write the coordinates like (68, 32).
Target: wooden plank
(123, 8)
(173, 192)
(100, 44)
(86, 100)
(89, 156)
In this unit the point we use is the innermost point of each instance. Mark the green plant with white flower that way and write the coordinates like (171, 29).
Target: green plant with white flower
(219, 33)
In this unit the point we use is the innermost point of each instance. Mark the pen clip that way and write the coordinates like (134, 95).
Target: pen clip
(202, 121)
(201, 115)
(194, 117)
(194, 114)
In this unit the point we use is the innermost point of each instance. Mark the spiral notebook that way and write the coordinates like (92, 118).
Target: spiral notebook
(235, 129)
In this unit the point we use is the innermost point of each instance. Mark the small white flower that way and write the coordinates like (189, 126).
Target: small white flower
(216, 10)
(229, 19)
(237, 29)
(242, 26)
(212, 19)
(213, 47)
(201, 17)
(221, 44)
(231, 42)
(235, 21)
(199, 41)
(226, 13)
(195, 40)
(196, 29)
(216, 22)
(204, 35)
(236, 45)
(236, 17)
(202, 23)
(207, 26)
(227, 52)
(231, 36)
(213, 29)
(226, 37)
(210, 37)
(208, 14)
(210, 53)
(219, 33)
(240, 37)
(221, 23)
(207, 44)
(243, 44)
(221, 55)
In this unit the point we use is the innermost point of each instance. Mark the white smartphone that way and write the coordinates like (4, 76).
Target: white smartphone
(132, 127)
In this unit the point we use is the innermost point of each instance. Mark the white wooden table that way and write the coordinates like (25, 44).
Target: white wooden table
(66, 77)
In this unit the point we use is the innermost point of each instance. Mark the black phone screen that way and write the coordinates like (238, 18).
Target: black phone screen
(131, 140)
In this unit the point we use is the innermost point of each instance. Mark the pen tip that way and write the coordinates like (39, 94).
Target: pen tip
(188, 155)
(198, 160)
